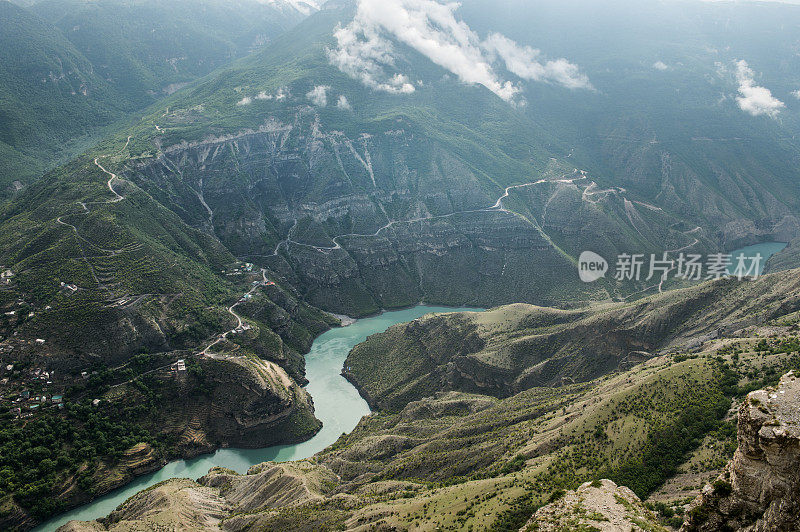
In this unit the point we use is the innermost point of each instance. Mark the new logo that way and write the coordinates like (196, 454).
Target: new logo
(591, 267)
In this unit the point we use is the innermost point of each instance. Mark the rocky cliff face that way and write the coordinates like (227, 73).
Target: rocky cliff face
(362, 222)
(389, 216)
(760, 488)
(248, 402)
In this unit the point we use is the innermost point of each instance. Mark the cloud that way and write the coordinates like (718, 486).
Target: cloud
(319, 95)
(247, 100)
(343, 104)
(362, 54)
(365, 49)
(796, 94)
(753, 99)
(524, 62)
(263, 96)
(660, 65)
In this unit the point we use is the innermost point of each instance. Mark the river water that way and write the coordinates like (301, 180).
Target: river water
(765, 249)
(336, 403)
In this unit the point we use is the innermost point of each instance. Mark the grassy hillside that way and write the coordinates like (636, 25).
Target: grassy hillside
(50, 95)
(512, 348)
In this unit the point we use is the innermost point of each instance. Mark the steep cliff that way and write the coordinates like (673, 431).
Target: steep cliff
(760, 488)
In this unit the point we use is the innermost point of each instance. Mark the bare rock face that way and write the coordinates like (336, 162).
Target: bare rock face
(760, 488)
(599, 505)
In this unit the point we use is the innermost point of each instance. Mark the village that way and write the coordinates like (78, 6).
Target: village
(27, 387)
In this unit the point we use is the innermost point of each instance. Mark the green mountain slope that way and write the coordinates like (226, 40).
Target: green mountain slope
(664, 123)
(70, 68)
(108, 292)
(50, 94)
(147, 49)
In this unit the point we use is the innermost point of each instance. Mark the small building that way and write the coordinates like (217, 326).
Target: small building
(10, 367)
(40, 341)
(69, 286)
(57, 399)
(96, 402)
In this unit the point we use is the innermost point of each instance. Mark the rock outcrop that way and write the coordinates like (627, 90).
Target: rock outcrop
(599, 505)
(760, 488)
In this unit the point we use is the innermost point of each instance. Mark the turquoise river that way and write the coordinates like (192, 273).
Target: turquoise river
(336, 402)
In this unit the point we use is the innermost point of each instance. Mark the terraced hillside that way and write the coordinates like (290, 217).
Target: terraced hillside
(132, 314)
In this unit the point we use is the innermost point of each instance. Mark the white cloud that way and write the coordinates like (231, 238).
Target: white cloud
(343, 104)
(524, 62)
(263, 96)
(754, 99)
(660, 65)
(362, 54)
(247, 100)
(319, 95)
(365, 50)
(796, 94)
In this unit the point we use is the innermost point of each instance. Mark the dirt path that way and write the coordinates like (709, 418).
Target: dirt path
(117, 198)
(497, 207)
(239, 321)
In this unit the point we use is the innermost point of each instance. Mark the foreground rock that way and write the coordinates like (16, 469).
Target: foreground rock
(760, 488)
(599, 505)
